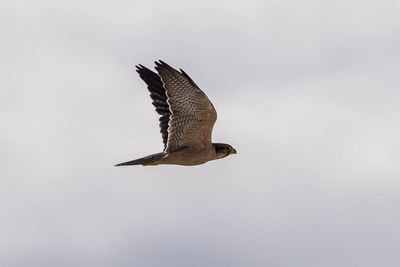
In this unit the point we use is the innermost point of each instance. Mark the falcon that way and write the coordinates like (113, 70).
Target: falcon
(187, 119)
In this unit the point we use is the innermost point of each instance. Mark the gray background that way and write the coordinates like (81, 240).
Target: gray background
(306, 91)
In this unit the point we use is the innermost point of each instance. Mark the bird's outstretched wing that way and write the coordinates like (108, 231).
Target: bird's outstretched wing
(193, 115)
(159, 97)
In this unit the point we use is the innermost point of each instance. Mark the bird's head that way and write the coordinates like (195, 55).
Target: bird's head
(223, 150)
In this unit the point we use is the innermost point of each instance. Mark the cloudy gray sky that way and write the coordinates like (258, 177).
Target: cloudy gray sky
(307, 91)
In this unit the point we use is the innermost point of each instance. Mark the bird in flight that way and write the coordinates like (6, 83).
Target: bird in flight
(187, 118)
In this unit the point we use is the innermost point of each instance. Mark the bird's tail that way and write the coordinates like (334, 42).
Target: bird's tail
(148, 160)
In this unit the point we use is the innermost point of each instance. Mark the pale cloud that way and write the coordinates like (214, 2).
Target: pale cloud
(306, 91)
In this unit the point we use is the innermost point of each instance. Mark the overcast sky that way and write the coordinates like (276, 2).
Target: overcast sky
(306, 91)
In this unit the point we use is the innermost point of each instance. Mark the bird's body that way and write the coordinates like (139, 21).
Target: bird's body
(191, 155)
(186, 122)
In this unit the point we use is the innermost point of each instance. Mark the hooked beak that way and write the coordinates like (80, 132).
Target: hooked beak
(233, 151)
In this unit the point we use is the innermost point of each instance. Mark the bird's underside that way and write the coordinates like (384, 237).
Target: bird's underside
(186, 119)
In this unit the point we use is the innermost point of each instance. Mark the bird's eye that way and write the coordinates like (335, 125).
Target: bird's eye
(228, 148)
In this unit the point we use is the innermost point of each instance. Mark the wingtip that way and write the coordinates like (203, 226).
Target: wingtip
(161, 63)
(140, 67)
